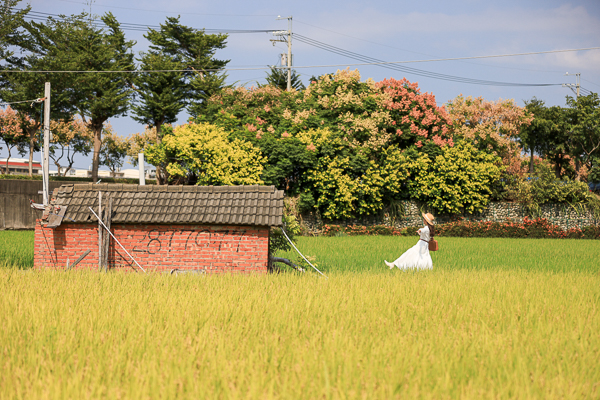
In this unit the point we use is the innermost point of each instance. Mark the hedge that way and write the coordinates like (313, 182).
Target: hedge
(529, 228)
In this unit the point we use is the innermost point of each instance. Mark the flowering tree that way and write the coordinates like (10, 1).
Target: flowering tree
(68, 139)
(491, 126)
(10, 131)
(114, 149)
(333, 141)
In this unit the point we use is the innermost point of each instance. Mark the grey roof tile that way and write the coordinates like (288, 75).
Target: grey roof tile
(238, 205)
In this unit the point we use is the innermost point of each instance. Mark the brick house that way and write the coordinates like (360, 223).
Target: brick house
(164, 228)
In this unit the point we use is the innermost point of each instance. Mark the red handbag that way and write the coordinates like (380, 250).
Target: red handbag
(433, 245)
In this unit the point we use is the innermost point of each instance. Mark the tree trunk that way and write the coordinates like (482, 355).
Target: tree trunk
(7, 158)
(31, 147)
(97, 130)
(531, 167)
(557, 166)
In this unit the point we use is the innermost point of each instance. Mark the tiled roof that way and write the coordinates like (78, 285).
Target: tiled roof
(152, 204)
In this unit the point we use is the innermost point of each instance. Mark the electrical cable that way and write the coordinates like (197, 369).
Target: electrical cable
(409, 70)
(595, 84)
(42, 16)
(416, 52)
(171, 12)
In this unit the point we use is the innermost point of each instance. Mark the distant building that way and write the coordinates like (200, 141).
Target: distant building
(19, 166)
(133, 173)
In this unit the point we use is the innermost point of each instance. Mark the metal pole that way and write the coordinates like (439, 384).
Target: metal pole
(100, 231)
(289, 57)
(141, 166)
(295, 248)
(45, 153)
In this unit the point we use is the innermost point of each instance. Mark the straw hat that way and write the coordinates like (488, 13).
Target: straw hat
(429, 218)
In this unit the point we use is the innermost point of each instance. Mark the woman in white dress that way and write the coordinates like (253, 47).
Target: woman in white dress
(418, 257)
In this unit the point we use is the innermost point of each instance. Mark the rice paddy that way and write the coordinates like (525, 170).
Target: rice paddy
(496, 318)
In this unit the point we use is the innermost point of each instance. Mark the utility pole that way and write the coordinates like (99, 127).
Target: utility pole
(142, 169)
(45, 153)
(289, 43)
(577, 84)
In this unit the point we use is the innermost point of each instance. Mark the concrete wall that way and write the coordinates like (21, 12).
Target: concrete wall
(200, 248)
(15, 211)
(557, 214)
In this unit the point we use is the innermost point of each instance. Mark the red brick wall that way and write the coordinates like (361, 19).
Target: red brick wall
(208, 248)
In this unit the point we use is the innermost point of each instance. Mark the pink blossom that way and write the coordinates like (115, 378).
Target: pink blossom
(251, 127)
(419, 144)
(311, 147)
(285, 134)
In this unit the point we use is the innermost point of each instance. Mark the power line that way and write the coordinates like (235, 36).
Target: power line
(42, 16)
(171, 12)
(595, 84)
(415, 52)
(383, 63)
(409, 70)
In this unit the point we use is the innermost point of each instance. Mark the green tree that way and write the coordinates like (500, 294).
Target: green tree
(557, 145)
(10, 22)
(204, 152)
(278, 77)
(584, 126)
(38, 42)
(194, 50)
(75, 44)
(534, 135)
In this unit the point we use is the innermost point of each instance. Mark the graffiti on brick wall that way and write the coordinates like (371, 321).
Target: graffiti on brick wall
(155, 240)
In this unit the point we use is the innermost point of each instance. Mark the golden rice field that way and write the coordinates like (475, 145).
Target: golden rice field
(472, 328)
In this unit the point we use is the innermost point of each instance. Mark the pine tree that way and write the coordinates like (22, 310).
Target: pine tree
(162, 96)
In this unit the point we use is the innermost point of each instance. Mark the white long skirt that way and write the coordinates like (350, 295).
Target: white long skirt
(417, 257)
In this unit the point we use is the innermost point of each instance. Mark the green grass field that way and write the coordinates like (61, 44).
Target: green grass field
(366, 253)
(494, 319)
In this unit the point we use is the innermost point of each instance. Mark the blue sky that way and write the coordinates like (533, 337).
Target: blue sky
(390, 31)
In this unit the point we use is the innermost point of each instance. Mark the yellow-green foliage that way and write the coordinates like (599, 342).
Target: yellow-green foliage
(206, 151)
(434, 335)
(459, 179)
(341, 194)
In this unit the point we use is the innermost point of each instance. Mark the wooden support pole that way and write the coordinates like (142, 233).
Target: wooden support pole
(105, 237)
(81, 257)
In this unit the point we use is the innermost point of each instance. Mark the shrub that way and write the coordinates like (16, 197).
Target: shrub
(529, 228)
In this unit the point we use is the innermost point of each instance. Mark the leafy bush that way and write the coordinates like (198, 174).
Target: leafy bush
(529, 228)
(460, 179)
(544, 188)
(357, 230)
(205, 151)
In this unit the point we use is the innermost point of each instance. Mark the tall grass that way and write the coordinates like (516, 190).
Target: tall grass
(446, 333)
(16, 249)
